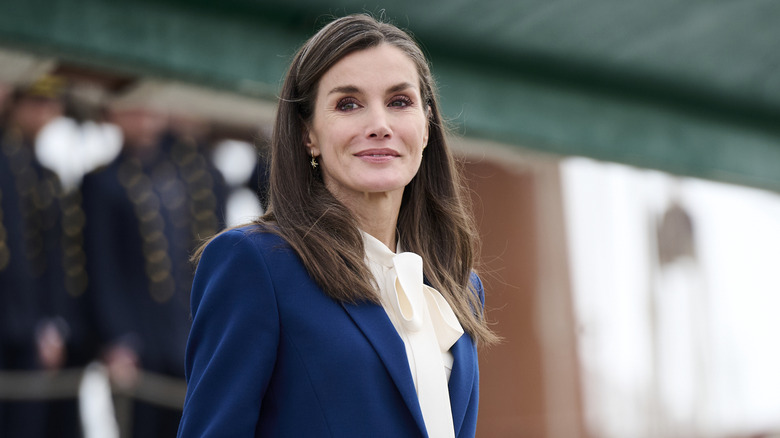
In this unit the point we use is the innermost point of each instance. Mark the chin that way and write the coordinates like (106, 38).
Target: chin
(381, 187)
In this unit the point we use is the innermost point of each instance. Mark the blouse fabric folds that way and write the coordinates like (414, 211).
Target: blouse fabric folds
(426, 324)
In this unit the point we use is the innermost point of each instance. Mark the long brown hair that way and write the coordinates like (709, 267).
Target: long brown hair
(434, 220)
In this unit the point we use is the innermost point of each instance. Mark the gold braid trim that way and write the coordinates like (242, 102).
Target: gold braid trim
(73, 258)
(151, 227)
(36, 197)
(185, 174)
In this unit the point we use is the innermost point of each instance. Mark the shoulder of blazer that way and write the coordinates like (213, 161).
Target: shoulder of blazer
(277, 254)
(255, 244)
(259, 236)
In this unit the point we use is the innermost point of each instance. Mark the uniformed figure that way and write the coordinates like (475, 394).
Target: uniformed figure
(145, 212)
(18, 295)
(35, 312)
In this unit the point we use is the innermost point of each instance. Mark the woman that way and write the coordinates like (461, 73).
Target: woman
(313, 321)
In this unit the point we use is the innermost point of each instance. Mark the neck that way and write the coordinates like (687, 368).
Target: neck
(377, 214)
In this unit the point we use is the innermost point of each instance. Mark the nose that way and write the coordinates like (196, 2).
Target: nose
(378, 125)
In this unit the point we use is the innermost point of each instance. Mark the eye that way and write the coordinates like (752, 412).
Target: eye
(400, 101)
(347, 104)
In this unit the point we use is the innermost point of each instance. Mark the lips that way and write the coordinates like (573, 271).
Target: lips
(378, 153)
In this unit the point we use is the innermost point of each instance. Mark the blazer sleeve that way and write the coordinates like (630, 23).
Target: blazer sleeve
(232, 346)
(476, 282)
(469, 425)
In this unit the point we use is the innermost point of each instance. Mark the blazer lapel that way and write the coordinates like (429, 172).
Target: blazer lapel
(377, 328)
(462, 379)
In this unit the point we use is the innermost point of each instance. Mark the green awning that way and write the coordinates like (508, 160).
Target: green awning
(690, 87)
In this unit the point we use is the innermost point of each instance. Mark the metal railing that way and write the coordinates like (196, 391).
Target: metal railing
(153, 388)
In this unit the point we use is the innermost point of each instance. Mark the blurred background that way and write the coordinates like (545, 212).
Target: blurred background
(623, 159)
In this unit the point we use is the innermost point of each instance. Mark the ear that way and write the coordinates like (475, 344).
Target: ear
(310, 142)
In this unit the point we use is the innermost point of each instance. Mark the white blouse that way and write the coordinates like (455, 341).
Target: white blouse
(426, 324)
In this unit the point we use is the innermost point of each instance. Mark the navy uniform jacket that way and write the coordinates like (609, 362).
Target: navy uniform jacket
(31, 273)
(32, 291)
(18, 296)
(139, 228)
(270, 355)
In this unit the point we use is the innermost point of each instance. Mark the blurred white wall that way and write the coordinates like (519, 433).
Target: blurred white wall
(684, 348)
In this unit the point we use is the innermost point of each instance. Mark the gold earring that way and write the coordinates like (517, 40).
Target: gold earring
(314, 163)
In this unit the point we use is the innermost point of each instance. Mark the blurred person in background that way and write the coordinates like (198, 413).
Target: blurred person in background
(145, 212)
(35, 329)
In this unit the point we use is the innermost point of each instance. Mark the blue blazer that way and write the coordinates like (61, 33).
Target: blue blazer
(270, 355)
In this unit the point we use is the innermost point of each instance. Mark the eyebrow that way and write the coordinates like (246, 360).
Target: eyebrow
(351, 89)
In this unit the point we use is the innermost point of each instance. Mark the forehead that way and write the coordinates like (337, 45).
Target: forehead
(376, 66)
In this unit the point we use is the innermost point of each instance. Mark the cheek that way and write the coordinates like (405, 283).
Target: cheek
(422, 136)
(331, 136)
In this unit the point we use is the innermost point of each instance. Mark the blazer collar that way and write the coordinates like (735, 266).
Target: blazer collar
(377, 328)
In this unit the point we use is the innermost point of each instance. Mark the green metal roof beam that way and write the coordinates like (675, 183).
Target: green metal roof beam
(240, 53)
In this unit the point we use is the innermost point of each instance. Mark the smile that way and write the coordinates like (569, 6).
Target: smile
(377, 153)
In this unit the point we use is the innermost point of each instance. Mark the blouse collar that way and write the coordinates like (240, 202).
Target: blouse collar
(410, 297)
(378, 252)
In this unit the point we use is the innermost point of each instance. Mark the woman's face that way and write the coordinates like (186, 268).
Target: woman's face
(369, 126)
